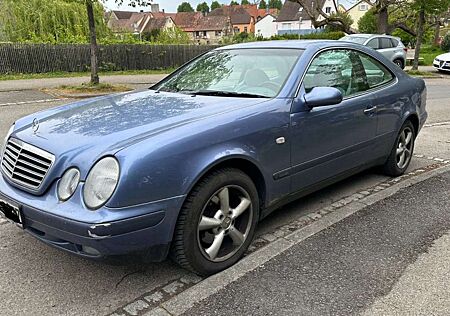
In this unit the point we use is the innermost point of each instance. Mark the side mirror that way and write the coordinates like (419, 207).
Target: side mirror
(323, 96)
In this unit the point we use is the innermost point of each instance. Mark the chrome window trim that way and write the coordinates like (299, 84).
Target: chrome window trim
(32, 149)
(385, 85)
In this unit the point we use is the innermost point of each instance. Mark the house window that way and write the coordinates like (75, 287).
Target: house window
(197, 34)
(204, 33)
(236, 30)
(363, 7)
(286, 26)
(328, 10)
(218, 33)
(245, 29)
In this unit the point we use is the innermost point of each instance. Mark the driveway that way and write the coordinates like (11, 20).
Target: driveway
(36, 279)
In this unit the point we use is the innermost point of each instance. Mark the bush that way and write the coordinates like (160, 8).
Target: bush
(445, 45)
(317, 35)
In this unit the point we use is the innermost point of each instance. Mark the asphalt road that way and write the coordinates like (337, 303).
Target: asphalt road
(36, 279)
(354, 264)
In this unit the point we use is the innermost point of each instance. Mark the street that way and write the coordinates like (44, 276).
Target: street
(38, 280)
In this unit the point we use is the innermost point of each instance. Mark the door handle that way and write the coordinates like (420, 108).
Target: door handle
(371, 110)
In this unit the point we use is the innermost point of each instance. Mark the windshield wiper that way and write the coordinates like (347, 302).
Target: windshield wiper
(224, 94)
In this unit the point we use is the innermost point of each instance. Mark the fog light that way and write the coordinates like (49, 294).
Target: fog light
(90, 251)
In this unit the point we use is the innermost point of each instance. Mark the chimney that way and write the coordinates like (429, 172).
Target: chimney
(154, 7)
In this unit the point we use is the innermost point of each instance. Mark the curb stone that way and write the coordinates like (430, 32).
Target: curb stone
(271, 244)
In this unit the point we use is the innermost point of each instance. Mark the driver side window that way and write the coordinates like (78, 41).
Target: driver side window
(338, 68)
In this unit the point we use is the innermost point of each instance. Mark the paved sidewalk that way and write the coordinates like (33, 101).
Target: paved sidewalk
(392, 258)
(36, 84)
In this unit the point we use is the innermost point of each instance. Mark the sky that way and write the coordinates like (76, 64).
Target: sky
(171, 5)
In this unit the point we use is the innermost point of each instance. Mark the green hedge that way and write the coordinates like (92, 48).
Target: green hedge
(318, 35)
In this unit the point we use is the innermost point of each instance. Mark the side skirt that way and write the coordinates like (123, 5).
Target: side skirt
(317, 186)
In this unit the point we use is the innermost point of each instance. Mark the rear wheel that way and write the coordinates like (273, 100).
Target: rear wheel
(217, 222)
(402, 151)
(399, 63)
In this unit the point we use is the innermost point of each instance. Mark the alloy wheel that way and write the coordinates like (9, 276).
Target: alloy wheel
(225, 222)
(404, 148)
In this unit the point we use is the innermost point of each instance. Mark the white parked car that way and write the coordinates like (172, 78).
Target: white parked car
(442, 62)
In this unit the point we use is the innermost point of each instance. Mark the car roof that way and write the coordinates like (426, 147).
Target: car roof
(298, 44)
(371, 35)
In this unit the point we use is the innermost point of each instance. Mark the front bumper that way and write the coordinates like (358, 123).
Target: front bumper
(441, 65)
(145, 229)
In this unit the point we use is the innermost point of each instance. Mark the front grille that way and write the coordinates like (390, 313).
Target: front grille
(25, 164)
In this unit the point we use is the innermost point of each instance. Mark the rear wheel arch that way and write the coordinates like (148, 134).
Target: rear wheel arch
(414, 119)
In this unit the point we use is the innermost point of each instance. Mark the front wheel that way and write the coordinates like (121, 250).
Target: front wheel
(216, 223)
(402, 151)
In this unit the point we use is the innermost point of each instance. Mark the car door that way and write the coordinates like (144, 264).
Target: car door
(330, 140)
(383, 89)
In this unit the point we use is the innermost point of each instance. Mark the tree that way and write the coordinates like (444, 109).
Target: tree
(234, 2)
(262, 4)
(245, 2)
(203, 7)
(320, 19)
(275, 4)
(215, 5)
(185, 7)
(93, 34)
(368, 22)
(346, 23)
(425, 8)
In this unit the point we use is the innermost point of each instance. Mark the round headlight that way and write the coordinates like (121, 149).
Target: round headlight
(101, 182)
(68, 184)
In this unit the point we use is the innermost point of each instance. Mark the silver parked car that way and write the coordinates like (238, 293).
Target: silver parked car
(391, 47)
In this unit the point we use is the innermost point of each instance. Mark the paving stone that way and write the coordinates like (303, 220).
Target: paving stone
(157, 312)
(154, 297)
(173, 287)
(314, 216)
(280, 233)
(135, 307)
(337, 204)
(269, 237)
(191, 279)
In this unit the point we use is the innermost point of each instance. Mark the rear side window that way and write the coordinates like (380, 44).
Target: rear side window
(373, 43)
(385, 42)
(377, 74)
(394, 42)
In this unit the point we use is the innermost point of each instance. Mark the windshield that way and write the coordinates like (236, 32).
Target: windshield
(234, 72)
(354, 39)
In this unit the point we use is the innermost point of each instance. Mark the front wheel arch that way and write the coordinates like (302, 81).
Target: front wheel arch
(243, 164)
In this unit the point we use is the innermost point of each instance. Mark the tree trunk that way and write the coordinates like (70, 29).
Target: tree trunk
(437, 31)
(93, 42)
(383, 20)
(419, 39)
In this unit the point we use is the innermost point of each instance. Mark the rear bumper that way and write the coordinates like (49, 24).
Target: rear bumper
(139, 230)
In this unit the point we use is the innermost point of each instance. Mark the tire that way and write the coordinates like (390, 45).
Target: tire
(207, 240)
(400, 63)
(403, 147)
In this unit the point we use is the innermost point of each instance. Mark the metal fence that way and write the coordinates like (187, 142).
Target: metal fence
(39, 58)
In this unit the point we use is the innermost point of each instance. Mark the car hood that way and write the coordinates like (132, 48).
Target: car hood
(445, 57)
(106, 125)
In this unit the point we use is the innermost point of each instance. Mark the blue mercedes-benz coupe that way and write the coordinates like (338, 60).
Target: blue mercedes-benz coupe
(189, 167)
